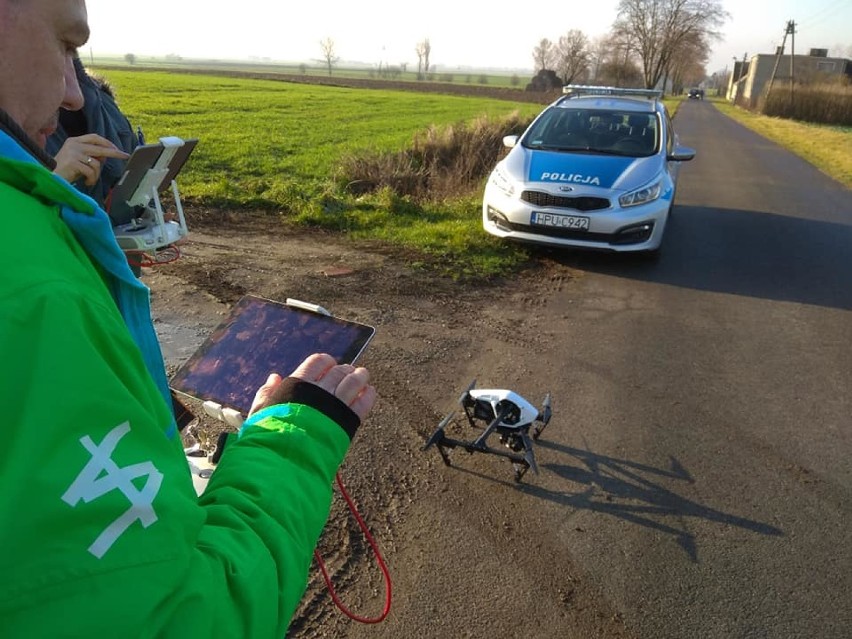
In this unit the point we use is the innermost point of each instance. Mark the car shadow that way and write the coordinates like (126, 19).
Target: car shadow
(748, 253)
(630, 491)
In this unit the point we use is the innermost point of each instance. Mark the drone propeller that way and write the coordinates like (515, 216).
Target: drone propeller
(466, 392)
(529, 456)
(546, 411)
(544, 417)
(438, 435)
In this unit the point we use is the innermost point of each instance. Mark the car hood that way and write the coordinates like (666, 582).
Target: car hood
(582, 170)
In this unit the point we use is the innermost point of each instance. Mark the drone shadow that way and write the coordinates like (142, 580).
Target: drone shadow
(631, 491)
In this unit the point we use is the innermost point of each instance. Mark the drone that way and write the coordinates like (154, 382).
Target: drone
(503, 411)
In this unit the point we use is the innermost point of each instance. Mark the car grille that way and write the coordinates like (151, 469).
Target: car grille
(582, 203)
(568, 234)
(587, 236)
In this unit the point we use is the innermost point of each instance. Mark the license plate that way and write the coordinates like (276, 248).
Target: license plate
(572, 222)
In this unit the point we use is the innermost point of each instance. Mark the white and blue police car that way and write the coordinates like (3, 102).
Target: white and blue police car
(597, 169)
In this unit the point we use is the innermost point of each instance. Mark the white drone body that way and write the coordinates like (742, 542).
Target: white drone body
(524, 413)
(504, 413)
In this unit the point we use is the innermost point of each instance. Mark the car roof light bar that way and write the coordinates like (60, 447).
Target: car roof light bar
(577, 90)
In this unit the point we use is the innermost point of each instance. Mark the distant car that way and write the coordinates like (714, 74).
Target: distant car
(696, 94)
(597, 169)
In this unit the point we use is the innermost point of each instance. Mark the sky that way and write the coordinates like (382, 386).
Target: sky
(477, 34)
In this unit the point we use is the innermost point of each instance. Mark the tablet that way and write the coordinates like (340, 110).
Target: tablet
(142, 158)
(260, 337)
(178, 160)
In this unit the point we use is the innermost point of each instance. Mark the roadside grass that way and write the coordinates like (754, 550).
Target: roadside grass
(828, 148)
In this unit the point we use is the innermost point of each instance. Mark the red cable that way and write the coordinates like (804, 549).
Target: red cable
(165, 256)
(354, 510)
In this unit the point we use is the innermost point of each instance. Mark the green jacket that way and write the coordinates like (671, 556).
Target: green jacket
(101, 533)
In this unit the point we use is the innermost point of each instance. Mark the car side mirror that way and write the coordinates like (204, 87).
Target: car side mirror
(681, 154)
(510, 141)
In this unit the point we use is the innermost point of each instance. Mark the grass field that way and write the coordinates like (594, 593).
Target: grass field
(262, 142)
(275, 146)
(478, 77)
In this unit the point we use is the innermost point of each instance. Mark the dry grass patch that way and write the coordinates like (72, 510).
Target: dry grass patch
(442, 162)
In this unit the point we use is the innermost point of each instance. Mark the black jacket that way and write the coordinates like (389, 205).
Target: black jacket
(100, 114)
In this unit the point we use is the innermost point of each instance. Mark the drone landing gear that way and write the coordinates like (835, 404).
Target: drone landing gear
(520, 462)
(506, 413)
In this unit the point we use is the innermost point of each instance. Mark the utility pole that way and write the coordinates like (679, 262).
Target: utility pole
(739, 76)
(787, 31)
(791, 29)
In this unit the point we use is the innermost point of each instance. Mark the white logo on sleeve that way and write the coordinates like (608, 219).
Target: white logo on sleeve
(101, 475)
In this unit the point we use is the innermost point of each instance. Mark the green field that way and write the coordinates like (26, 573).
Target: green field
(276, 146)
(458, 76)
(260, 140)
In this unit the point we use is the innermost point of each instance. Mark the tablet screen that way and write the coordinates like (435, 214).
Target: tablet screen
(143, 158)
(260, 337)
(177, 162)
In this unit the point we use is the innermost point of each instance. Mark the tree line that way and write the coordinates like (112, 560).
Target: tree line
(652, 44)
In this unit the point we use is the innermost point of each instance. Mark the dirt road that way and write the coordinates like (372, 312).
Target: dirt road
(461, 567)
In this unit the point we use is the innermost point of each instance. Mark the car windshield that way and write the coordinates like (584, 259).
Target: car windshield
(590, 131)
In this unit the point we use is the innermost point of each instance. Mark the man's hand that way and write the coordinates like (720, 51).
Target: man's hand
(346, 382)
(83, 157)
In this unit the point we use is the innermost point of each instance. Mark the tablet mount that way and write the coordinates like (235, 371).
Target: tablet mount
(150, 232)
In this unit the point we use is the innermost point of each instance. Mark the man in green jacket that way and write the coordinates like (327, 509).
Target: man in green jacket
(101, 533)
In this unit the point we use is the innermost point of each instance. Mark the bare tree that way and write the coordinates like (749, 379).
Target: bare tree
(543, 55)
(656, 28)
(616, 64)
(687, 65)
(572, 56)
(423, 50)
(427, 51)
(328, 54)
(598, 53)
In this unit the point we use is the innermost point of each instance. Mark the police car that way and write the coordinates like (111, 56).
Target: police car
(597, 169)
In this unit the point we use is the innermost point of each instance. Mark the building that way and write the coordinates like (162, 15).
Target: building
(749, 80)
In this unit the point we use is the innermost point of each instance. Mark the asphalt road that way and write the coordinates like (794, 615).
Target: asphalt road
(704, 477)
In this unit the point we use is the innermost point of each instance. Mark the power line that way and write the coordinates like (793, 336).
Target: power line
(823, 14)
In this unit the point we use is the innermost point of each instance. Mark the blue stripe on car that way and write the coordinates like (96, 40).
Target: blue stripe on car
(589, 170)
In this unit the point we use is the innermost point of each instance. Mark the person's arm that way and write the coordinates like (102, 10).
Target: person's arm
(83, 157)
(105, 534)
(295, 439)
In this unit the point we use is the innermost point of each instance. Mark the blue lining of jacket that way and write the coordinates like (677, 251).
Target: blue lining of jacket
(94, 232)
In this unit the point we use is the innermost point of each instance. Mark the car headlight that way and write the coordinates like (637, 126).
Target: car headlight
(641, 196)
(502, 182)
